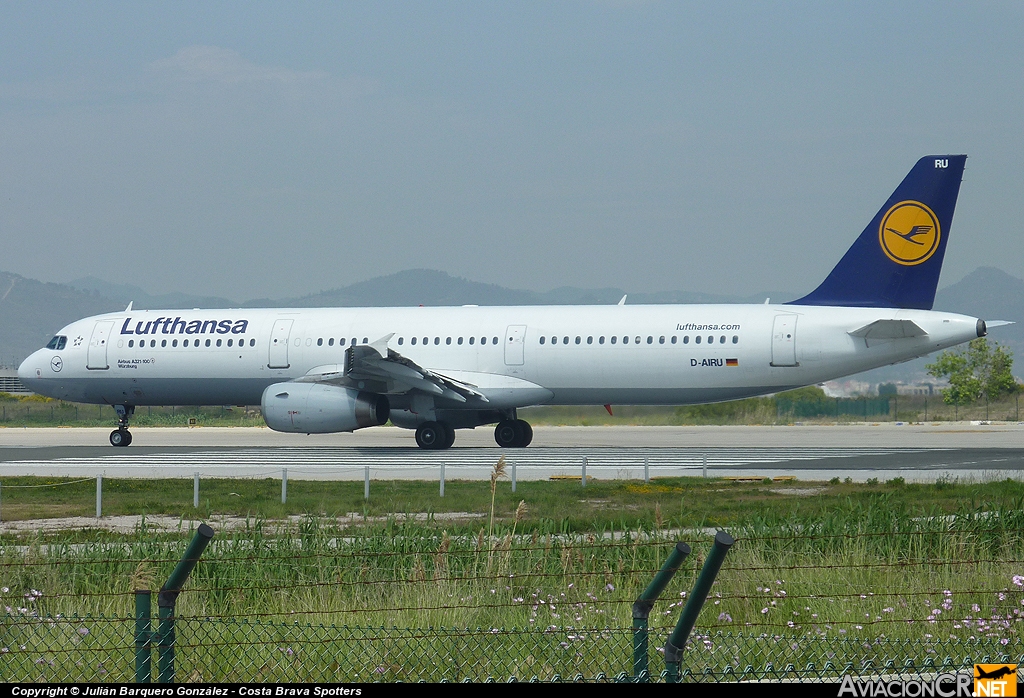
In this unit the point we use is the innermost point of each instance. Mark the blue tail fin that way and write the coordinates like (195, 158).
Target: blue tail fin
(895, 262)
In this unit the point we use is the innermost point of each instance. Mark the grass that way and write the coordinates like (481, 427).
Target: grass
(604, 505)
(829, 567)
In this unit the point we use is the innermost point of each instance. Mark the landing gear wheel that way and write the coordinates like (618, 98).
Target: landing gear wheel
(449, 435)
(121, 437)
(506, 434)
(432, 436)
(527, 433)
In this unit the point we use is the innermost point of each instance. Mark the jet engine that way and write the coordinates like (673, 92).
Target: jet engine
(315, 408)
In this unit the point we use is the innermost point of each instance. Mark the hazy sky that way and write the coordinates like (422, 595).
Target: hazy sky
(276, 149)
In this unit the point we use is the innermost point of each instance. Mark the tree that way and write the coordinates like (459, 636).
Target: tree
(887, 390)
(974, 372)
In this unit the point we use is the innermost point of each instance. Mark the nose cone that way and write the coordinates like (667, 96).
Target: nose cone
(29, 373)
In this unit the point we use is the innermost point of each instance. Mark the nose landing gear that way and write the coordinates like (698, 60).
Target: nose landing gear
(121, 436)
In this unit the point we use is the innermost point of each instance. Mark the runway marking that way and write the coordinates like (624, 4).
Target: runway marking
(414, 458)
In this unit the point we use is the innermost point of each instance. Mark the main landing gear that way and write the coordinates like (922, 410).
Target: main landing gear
(121, 436)
(513, 433)
(435, 436)
(509, 433)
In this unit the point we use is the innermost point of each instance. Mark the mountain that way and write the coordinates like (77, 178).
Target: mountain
(125, 294)
(31, 311)
(431, 288)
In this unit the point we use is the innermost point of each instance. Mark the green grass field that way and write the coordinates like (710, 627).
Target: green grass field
(823, 565)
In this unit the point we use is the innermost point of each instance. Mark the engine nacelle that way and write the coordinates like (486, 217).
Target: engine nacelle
(316, 408)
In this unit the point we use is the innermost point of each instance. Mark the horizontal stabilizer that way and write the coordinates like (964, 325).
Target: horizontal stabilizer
(890, 329)
(998, 323)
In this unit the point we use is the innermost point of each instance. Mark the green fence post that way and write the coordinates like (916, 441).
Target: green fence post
(168, 597)
(677, 640)
(645, 602)
(143, 636)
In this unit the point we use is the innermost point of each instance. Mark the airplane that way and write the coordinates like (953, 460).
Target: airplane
(439, 369)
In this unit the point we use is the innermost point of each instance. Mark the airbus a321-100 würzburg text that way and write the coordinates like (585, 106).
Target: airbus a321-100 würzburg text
(437, 370)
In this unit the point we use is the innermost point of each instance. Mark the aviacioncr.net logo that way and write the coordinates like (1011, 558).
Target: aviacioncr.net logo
(909, 233)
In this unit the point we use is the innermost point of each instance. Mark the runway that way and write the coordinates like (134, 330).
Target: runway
(917, 453)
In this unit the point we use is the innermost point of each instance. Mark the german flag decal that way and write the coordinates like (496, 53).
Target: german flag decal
(732, 362)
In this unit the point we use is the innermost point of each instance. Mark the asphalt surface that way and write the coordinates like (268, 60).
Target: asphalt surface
(918, 452)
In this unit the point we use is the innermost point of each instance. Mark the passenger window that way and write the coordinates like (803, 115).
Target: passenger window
(207, 342)
(696, 339)
(413, 340)
(320, 342)
(355, 341)
(625, 340)
(218, 342)
(674, 339)
(401, 340)
(650, 339)
(460, 341)
(735, 339)
(495, 340)
(448, 340)
(600, 340)
(473, 339)
(578, 340)
(437, 340)
(565, 340)
(341, 342)
(637, 340)
(175, 343)
(721, 340)
(131, 343)
(711, 340)
(152, 343)
(590, 339)
(330, 341)
(661, 339)
(365, 340)
(426, 340)
(686, 339)
(229, 342)
(542, 339)
(483, 340)
(252, 342)
(614, 339)
(554, 340)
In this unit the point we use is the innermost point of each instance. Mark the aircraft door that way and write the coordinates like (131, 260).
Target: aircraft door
(515, 336)
(97, 359)
(784, 341)
(279, 343)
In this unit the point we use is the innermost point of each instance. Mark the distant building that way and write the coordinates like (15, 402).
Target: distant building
(9, 382)
(917, 389)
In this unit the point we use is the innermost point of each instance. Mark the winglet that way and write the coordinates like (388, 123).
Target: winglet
(622, 301)
(381, 345)
(129, 308)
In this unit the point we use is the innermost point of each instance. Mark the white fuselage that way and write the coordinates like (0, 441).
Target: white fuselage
(629, 354)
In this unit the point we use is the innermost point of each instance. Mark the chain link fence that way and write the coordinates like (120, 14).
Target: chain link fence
(101, 649)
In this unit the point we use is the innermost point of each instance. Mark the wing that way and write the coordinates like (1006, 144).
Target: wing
(375, 368)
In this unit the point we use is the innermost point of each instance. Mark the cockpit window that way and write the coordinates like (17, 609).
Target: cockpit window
(57, 343)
